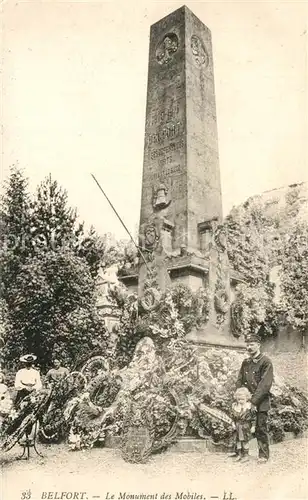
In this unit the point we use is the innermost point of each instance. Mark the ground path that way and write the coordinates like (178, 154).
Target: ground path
(99, 471)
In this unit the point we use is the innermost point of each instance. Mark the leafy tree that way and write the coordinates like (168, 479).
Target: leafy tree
(248, 249)
(92, 249)
(15, 227)
(48, 276)
(55, 226)
(5, 327)
(294, 272)
(15, 211)
(53, 220)
(255, 236)
(54, 309)
(254, 311)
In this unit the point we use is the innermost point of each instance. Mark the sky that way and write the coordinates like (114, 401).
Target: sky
(73, 99)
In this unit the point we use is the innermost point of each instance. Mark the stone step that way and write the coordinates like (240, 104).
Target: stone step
(184, 444)
(197, 445)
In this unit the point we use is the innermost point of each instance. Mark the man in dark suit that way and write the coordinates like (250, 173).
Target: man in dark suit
(256, 373)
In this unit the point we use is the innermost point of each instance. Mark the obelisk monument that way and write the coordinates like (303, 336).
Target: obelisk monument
(181, 144)
(181, 233)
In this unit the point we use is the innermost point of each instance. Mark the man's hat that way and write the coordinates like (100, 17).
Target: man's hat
(253, 338)
(28, 358)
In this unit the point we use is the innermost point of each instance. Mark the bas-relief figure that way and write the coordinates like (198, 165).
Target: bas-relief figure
(153, 273)
(219, 264)
(166, 48)
(161, 196)
(200, 55)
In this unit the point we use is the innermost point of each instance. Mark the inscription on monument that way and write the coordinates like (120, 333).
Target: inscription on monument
(173, 146)
(165, 161)
(168, 131)
(157, 116)
(167, 172)
(164, 155)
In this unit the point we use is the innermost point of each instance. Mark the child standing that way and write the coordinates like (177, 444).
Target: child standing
(244, 417)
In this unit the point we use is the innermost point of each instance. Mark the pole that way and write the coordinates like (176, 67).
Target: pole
(113, 208)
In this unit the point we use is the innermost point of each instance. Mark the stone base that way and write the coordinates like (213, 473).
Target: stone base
(195, 445)
(183, 445)
(199, 445)
(112, 442)
(290, 436)
(210, 336)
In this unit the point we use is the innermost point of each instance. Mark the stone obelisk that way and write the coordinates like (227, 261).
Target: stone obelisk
(181, 177)
(180, 232)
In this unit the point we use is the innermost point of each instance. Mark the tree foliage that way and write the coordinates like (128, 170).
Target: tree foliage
(15, 226)
(48, 274)
(294, 276)
(120, 252)
(55, 226)
(53, 302)
(262, 235)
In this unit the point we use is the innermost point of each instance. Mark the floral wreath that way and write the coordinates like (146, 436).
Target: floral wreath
(150, 299)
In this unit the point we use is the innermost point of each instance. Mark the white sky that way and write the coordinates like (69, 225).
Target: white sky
(74, 96)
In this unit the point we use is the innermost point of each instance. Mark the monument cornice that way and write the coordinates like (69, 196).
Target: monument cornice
(191, 262)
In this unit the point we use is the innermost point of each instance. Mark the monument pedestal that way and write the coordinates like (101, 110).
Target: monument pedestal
(211, 337)
(189, 270)
(185, 444)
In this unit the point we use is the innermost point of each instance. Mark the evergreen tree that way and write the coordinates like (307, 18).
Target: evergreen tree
(55, 224)
(56, 227)
(54, 309)
(48, 277)
(15, 226)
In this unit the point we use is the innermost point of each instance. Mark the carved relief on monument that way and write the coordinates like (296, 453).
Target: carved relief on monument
(220, 238)
(213, 245)
(150, 236)
(151, 291)
(166, 48)
(200, 55)
(222, 281)
(221, 299)
(235, 312)
(153, 274)
(161, 196)
(155, 236)
(150, 299)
